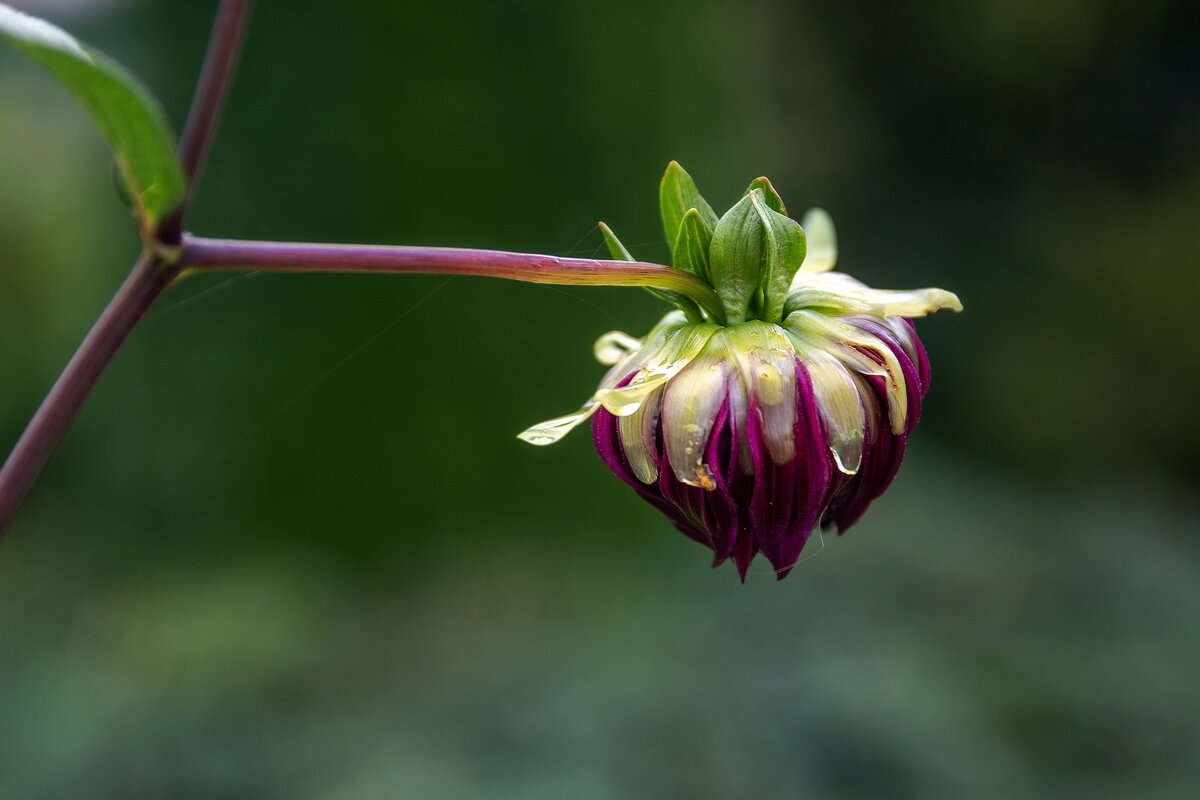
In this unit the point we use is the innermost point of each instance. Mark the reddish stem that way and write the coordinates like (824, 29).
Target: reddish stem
(149, 277)
(203, 253)
(208, 104)
(144, 284)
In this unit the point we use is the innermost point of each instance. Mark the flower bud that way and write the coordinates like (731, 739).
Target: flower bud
(787, 409)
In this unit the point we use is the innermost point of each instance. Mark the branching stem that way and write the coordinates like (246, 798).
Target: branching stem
(208, 103)
(143, 286)
(149, 277)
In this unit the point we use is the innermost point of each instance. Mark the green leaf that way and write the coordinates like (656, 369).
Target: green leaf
(736, 258)
(769, 194)
(676, 195)
(619, 253)
(129, 118)
(691, 246)
(783, 252)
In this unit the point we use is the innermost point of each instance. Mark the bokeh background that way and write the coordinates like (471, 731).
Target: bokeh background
(292, 548)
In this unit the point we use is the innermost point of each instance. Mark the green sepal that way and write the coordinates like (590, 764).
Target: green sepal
(769, 194)
(615, 248)
(677, 193)
(755, 253)
(735, 258)
(691, 245)
(128, 116)
(680, 301)
(784, 247)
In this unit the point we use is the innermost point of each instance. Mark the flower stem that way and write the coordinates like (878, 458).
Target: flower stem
(200, 253)
(145, 283)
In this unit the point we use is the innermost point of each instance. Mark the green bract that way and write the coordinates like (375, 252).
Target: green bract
(749, 256)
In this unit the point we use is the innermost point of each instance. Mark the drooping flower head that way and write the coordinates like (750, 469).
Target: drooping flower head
(784, 407)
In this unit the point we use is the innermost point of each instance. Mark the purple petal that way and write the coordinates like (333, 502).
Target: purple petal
(918, 356)
(606, 435)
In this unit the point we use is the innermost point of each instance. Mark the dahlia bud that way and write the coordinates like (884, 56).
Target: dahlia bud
(786, 408)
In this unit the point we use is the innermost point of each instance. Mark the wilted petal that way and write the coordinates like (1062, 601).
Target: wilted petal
(766, 361)
(906, 334)
(612, 347)
(882, 453)
(903, 374)
(881, 302)
(821, 237)
(836, 395)
(552, 430)
(639, 432)
(912, 303)
(682, 345)
(689, 409)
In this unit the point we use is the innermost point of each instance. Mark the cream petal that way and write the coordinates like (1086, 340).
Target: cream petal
(802, 297)
(766, 361)
(552, 430)
(638, 435)
(690, 405)
(839, 290)
(614, 346)
(841, 410)
(904, 335)
(821, 238)
(846, 342)
(683, 343)
(738, 408)
(837, 396)
(912, 303)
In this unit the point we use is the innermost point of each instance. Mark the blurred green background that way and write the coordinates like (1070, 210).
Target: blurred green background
(292, 548)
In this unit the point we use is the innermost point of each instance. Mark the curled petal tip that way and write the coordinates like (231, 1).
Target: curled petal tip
(614, 346)
(951, 301)
(550, 431)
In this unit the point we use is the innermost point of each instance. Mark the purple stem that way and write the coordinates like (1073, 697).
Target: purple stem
(208, 103)
(144, 284)
(216, 254)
